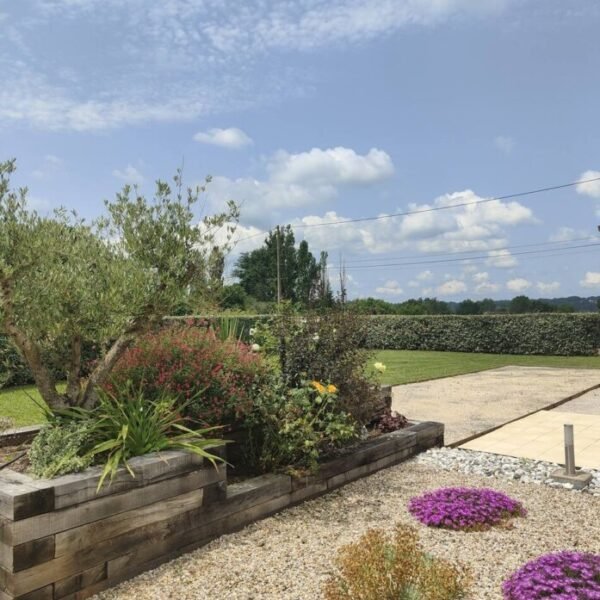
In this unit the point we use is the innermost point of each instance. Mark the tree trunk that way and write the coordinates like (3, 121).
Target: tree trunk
(74, 372)
(30, 351)
(102, 371)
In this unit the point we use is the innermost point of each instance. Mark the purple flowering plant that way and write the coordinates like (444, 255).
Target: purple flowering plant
(560, 576)
(466, 509)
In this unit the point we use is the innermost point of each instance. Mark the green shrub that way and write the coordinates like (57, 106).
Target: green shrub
(547, 334)
(122, 426)
(60, 448)
(217, 380)
(126, 424)
(382, 567)
(295, 427)
(328, 346)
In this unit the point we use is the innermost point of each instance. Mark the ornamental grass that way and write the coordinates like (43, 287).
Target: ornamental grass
(560, 576)
(394, 567)
(465, 509)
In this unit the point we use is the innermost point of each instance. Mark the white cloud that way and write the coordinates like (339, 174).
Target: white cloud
(390, 288)
(129, 175)
(481, 277)
(504, 143)
(232, 137)
(333, 166)
(548, 288)
(475, 227)
(298, 180)
(486, 287)
(518, 285)
(452, 287)
(501, 259)
(591, 188)
(591, 280)
(425, 276)
(202, 55)
(566, 234)
(50, 164)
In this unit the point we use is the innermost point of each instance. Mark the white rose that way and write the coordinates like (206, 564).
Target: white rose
(255, 348)
(252, 331)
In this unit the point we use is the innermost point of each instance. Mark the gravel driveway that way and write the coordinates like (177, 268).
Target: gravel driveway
(473, 403)
(288, 556)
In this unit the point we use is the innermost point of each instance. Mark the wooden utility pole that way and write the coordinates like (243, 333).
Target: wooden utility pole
(278, 267)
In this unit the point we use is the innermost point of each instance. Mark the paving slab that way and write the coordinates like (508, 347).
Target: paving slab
(474, 403)
(541, 437)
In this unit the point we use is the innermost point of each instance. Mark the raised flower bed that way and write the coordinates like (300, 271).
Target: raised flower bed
(61, 539)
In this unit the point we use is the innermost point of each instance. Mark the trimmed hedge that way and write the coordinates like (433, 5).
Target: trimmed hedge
(549, 334)
(558, 334)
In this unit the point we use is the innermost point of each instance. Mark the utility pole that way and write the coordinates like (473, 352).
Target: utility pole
(343, 281)
(278, 267)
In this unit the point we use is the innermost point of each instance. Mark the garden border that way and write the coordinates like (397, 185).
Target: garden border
(59, 539)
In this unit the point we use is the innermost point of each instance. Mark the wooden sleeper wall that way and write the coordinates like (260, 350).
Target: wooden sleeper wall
(59, 539)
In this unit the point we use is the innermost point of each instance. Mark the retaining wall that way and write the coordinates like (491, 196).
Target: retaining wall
(61, 539)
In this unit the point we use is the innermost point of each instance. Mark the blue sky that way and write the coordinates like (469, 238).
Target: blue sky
(321, 111)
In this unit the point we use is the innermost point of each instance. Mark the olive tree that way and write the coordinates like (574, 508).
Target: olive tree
(66, 283)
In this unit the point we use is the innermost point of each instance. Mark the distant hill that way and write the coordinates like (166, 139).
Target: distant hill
(589, 304)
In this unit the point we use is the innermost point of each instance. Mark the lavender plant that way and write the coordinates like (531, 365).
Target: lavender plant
(561, 575)
(467, 509)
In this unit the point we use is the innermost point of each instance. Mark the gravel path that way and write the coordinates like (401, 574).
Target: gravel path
(588, 404)
(473, 403)
(502, 467)
(288, 556)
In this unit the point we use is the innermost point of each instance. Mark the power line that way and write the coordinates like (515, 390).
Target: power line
(436, 208)
(557, 252)
(458, 252)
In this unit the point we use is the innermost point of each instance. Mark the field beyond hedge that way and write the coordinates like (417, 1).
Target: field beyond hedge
(410, 366)
(403, 366)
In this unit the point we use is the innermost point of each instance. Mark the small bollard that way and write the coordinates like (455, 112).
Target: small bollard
(578, 479)
(569, 450)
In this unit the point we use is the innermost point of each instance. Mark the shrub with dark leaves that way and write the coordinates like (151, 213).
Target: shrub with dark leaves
(467, 509)
(217, 380)
(390, 421)
(561, 575)
(328, 346)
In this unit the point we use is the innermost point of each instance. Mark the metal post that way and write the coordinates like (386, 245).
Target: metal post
(569, 450)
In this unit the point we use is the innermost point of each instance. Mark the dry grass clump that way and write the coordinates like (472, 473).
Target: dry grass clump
(380, 566)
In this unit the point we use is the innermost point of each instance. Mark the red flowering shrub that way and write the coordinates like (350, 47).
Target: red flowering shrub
(220, 379)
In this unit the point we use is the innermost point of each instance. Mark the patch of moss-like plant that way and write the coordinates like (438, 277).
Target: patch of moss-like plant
(60, 449)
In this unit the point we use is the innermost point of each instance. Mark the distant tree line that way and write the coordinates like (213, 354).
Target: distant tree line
(432, 306)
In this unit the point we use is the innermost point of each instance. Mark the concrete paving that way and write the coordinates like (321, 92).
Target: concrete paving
(473, 403)
(541, 437)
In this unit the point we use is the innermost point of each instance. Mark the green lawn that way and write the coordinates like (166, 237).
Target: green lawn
(16, 403)
(403, 366)
(407, 366)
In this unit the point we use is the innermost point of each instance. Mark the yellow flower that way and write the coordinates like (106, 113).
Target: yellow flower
(318, 386)
(331, 389)
(380, 367)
